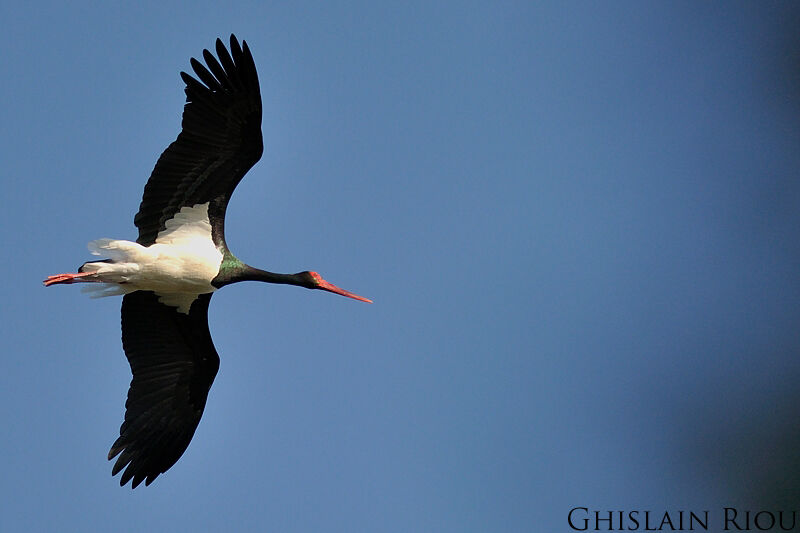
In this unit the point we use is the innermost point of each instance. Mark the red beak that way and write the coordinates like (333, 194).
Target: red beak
(330, 287)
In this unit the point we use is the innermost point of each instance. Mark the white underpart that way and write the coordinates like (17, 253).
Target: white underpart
(178, 267)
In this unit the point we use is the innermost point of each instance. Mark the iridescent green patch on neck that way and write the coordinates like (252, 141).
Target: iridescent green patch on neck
(229, 269)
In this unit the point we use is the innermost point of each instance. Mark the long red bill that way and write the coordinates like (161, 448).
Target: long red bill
(330, 287)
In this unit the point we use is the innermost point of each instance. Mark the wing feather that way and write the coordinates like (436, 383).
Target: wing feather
(174, 362)
(220, 141)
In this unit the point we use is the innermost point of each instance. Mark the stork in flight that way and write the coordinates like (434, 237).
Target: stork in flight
(179, 259)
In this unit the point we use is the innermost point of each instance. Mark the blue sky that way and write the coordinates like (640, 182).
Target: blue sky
(578, 222)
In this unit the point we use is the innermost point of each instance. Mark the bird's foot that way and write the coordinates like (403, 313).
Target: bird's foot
(71, 277)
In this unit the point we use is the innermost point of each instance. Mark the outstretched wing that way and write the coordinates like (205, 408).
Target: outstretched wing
(174, 363)
(219, 142)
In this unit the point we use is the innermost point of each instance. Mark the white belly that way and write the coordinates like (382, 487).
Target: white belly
(178, 267)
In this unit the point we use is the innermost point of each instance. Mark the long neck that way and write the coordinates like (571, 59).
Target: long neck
(233, 271)
(256, 274)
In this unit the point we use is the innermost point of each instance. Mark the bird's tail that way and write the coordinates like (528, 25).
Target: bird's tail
(90, 271)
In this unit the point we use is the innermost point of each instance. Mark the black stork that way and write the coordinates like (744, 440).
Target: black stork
(180, 258)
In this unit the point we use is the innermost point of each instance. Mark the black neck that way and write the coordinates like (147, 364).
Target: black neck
(243, 272)
(256, 274)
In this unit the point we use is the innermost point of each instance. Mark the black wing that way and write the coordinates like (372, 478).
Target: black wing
(174, 363)
(219, 142)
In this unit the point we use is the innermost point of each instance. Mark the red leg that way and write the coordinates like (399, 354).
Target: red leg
(67, 278)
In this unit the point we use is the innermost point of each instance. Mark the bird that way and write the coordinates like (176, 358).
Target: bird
(168, 275)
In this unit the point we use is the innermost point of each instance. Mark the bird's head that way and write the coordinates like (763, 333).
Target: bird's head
(312, 280)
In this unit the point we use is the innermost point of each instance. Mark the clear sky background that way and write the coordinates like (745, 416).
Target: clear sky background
(578, 221)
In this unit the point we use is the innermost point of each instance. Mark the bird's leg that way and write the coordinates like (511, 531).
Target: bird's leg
(67, 278)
